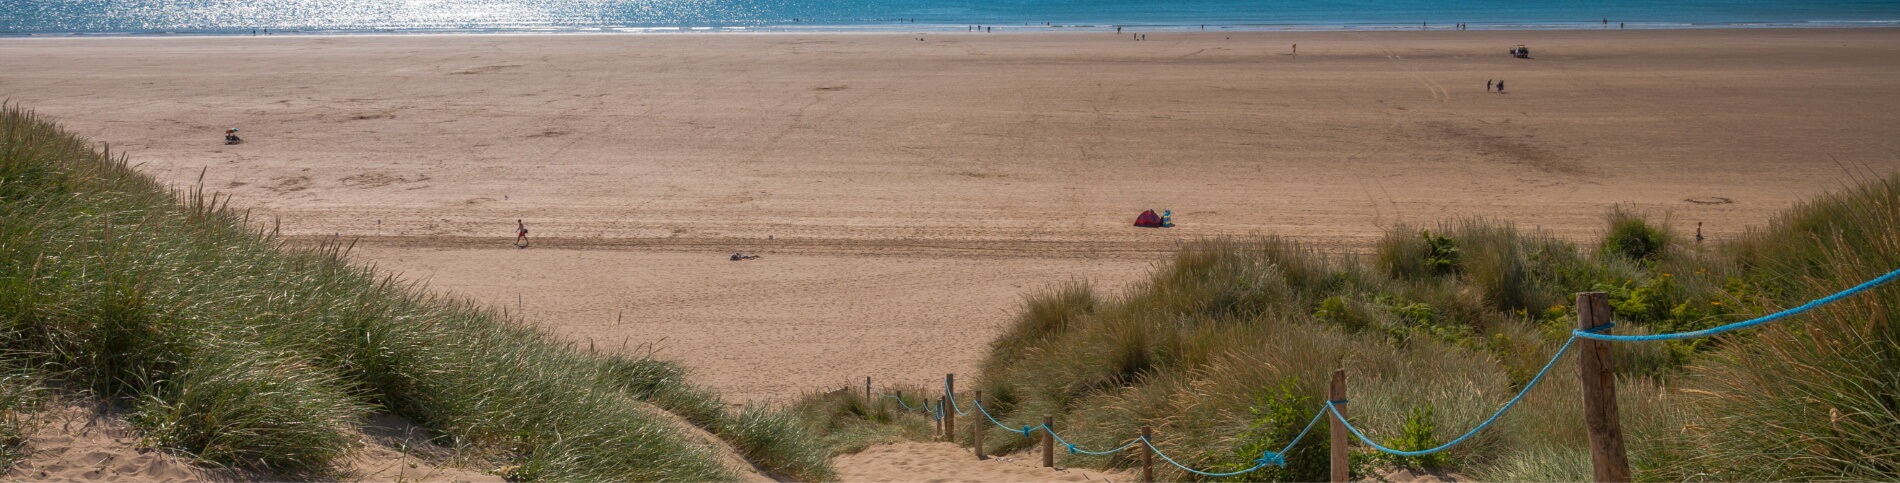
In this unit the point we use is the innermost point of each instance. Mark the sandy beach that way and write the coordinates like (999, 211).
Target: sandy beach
(905, 193)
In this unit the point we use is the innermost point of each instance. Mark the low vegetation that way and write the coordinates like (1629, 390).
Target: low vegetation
(1226, 350)
(847, 423)
(230, 348)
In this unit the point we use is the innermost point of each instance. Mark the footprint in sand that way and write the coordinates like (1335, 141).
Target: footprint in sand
(486, 69)
(289, 184)
(378, 179)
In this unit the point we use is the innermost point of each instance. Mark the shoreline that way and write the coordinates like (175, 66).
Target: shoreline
(1013, 29)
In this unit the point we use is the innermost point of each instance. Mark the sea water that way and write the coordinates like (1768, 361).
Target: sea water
(242, 17)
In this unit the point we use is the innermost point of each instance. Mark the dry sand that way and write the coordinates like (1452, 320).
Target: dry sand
(75, 440)
(912, 190)
(945, 462)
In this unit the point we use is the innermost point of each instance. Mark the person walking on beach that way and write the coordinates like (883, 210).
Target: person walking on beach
(1500, 86)
(1487, 85)
(521, 234)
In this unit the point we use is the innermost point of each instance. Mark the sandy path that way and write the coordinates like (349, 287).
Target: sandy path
(945, 462)
(912, 190)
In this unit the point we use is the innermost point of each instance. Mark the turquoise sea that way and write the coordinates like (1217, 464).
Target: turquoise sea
(196, 17)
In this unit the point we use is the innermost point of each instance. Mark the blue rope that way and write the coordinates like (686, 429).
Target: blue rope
(1331, 407)
(1258, 464)
(1877, 281)
(1074, 450)
(900, 402)
(1279, 459)
(986, 414)
(952, 397)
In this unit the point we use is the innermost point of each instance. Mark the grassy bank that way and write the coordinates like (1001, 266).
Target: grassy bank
(1226, 350)
(232, 349)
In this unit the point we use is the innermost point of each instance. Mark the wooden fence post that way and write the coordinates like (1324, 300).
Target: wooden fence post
(950, 405)
(976, 429)
(867, 390)
(1048, 441)
(1147, 456)
(1597, 372)
(1342, 468)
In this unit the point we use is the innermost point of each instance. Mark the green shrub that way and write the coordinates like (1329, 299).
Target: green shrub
(1631, 237)
(1416, 435)
(1441, 254)
(1348, 315)
(1275, 417)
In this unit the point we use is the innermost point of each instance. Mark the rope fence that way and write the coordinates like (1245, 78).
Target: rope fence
(1599, 393)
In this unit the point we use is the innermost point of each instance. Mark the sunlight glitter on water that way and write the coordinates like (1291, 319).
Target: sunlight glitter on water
(19, 17)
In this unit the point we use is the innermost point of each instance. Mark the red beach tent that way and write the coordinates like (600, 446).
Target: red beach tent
(1148, 219)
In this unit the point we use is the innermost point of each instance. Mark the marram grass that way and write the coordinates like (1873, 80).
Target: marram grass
(231, 348)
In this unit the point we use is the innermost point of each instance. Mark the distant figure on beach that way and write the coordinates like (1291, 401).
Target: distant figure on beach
(1118, 30)
(521, 234)
(1698, 233)
(1500, 86)
(231, 137)
(1487, 84)
(1296, 49)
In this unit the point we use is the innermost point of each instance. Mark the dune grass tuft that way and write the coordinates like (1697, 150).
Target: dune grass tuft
(846, 423)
